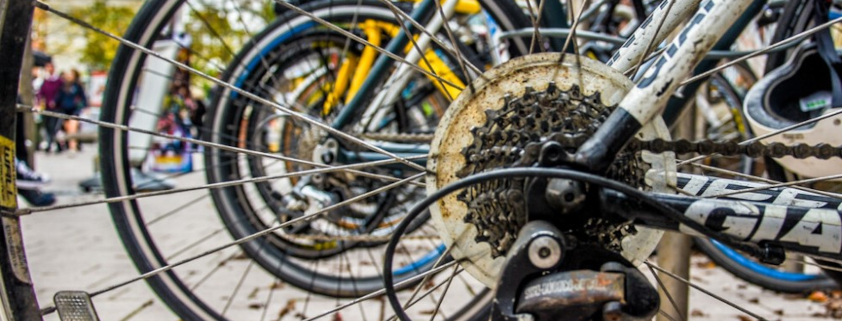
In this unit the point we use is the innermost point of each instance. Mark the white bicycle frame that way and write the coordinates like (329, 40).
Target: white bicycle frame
(710, 21)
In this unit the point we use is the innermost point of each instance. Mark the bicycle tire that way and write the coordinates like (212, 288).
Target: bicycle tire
(127, 216)
(229, 109)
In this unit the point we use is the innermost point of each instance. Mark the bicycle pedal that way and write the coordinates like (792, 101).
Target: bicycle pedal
(75, 306)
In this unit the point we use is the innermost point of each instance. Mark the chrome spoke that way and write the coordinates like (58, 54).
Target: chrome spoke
(425, 295)
(572, 36)
(703, 290)
(801, 36)
(536, 33)
(253, 236)
(763, 179)
(214, 145)
(30, 210)
(404, 17)
(651, 43)
(667, 293)
(459, 58)
(292, 113)
(383, 291)
(763, 188)
(444, 293)
(363, 41)
(823, 266)
(770, 134)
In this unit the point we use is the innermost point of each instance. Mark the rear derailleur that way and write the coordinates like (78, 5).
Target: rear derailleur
(547, 276)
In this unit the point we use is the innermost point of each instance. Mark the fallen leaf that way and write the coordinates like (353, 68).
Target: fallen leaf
(289, 307)
(818, 296)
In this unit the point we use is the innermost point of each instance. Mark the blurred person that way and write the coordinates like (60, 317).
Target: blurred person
(46, 97)
(71, 100)
(29, 183)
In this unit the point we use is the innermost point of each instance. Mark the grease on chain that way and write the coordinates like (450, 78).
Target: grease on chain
(683, 146)
(753, 150)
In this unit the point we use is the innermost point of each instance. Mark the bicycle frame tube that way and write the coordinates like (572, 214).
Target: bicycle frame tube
(676, 104)
(398, 80)
(380, 70)
(793, 219)
(650, 95)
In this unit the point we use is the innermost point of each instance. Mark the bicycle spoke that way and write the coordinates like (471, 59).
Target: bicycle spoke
(314, 266)
(763, 188)
(427, 278)
(666, 315)
(194, 244)
(237, 287)
(247, 94)
(770, 134)
(177, 209)
(423, 296)
(801, 36)
(444, 293)
(216, 145)
(27, 211)
(363, 41)
(763, 179)
(383, 291)
(651, 43)
(452, 50)
(823, 266)
(254, 236)
(459, 59)
(572, 36)
(536, 33)
(667, 293)
(693, 285)
(214, 270)
(420, 51)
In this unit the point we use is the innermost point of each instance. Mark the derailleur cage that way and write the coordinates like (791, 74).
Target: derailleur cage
(539, 283)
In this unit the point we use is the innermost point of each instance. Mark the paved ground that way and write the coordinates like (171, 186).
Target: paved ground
(78, 249)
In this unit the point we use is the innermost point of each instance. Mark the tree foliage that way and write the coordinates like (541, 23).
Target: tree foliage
(219, 29)
(100, 50)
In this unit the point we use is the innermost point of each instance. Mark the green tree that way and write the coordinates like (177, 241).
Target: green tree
(220, 30)
(100, 50)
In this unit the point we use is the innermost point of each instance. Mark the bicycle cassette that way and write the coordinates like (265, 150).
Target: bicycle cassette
(497, 120)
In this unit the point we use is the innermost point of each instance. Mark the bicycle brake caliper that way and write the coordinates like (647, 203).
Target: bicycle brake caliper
(538, 284)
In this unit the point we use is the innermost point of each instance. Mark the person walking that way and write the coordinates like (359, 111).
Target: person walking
(47, 97)
(71, 100)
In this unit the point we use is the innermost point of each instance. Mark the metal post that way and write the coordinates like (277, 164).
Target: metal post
(674, 256)
(674, 250)
(16, 18)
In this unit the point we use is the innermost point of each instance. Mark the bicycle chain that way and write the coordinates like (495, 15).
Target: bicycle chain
(753, 149)
(356, 238)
